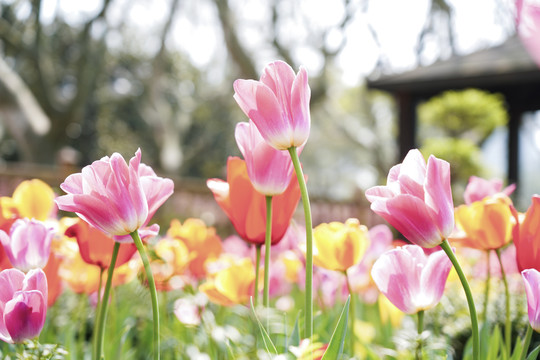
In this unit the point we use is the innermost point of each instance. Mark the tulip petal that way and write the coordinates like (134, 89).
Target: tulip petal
(438, 195)
(410, 216)
(24, 315)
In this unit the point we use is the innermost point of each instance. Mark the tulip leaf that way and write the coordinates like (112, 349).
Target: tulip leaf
(295, 335)
(270, 347)
(534, 354)
(335, 346)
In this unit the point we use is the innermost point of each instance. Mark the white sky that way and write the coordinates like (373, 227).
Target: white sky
(196, 31)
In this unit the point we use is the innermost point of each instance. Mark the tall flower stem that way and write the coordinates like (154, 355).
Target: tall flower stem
(99, 335)
(152, 286)
(419, 344)
(507, 323)
(267, 246)
(486, 289)
(257, 266)
(526, 342)
(308, 330)
(470, 301)
(352, 313)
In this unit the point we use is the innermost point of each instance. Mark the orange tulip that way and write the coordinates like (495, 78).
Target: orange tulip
(486, 224)
(202, 242)
(96, 247)
(338, 246)
(231, 285)
(527, 237)
(31, 199)
(246, 207)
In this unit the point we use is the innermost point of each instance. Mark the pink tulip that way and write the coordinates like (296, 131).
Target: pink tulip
(28, 245)
(278, 104)
(528, 26)
(269, 170)
(23, 304)
(531, 277)
(478, 189)
(410, 279)
(417, 199)
(115, 197)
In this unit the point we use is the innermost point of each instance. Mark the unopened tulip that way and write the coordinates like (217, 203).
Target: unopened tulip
(113, 196)
(28, 244)
(269, 170)
(417, 199)
(477, 189)
(23, 304)
(527, 237)
(339, 246)
(531, 277)
(410, 279)
(232, 284)
(486, 224)
(278, 104)
(30, 199)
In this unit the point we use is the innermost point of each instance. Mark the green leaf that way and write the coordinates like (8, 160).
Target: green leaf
(335, 346)
(270, 347)
(516, 353)
(295, 335)
(494, 344)
(534, 354)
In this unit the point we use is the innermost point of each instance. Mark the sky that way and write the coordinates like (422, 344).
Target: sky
(196, 30)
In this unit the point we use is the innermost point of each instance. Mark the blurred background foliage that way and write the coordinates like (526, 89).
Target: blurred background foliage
(113, 77)
(453, 127)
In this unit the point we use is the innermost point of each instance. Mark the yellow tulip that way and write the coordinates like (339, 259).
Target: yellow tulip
(338, 246)
(232, 284)
(389, 312)
(486, 224)
(31, 199)
(202, 242)
(173, 258)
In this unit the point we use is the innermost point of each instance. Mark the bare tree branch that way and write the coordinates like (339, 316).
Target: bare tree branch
(236, 50)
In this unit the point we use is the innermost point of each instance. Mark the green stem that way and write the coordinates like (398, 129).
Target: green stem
(308, 333)
(98, 309)
(152, 287)
(257, 266)
(486, 289)
(470, 301)
(526, 342)
(267, 246)
(420, 331)
(507, 323)
(352, 314)
(102, 313)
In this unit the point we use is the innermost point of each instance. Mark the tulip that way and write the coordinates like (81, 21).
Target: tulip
(269, 170)
(23, 304)
(278, 104)
(172, 258)
(531, 277)
(527, 237)
(232, 284)
(486, 224)
(417, 199)
(113, 196)
(245, 207)
(96, 247)
(28, 245)
(30, 199)
(202, 242)
(339, 246)
(477, 189)
(410, 279)
(528, 26)
(118, 199)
